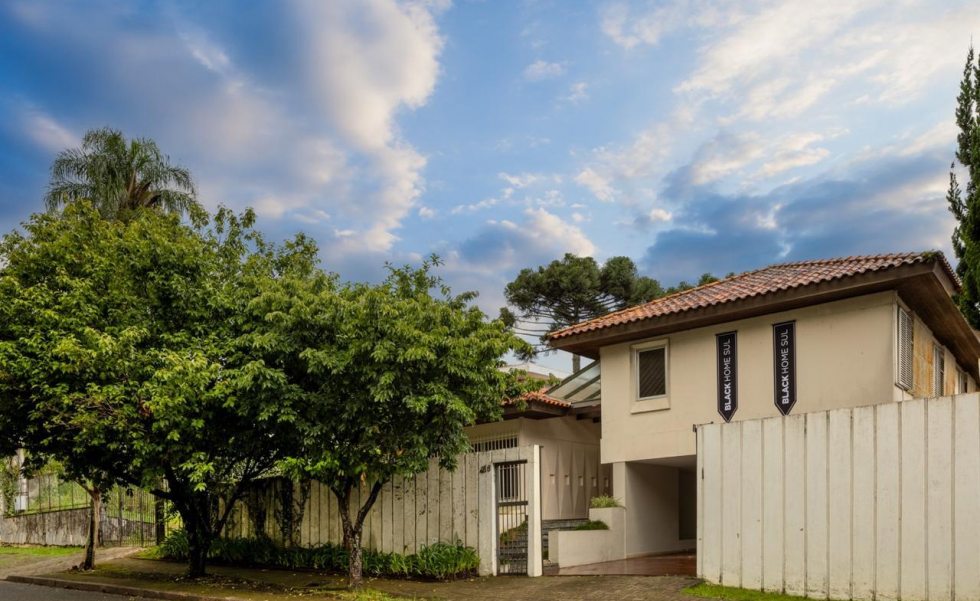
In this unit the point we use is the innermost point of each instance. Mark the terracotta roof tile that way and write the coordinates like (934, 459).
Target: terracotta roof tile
(767, 280)
(539, 396)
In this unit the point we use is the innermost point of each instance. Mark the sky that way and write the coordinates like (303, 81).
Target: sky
(691, 136)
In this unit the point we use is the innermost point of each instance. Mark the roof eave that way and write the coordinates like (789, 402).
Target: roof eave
(906, 279)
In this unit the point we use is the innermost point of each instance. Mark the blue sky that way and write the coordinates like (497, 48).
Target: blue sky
(691, 136)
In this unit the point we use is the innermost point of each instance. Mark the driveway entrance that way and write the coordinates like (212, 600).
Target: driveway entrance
(679, 564)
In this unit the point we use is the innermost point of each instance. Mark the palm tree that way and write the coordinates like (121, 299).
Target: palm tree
(120, 177)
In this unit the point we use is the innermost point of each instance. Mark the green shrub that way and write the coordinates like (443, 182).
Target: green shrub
(603, 502)
(440, 561)
(592, 525)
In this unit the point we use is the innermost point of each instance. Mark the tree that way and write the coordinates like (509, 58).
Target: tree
(571, 290)
(127, 345)
(964, 203)
(120, 177)
(392, 374)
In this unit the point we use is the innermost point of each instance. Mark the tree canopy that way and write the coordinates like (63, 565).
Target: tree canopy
(574, 289)
(121, 177)
(964, 201)
(391, 373)
(127, 346)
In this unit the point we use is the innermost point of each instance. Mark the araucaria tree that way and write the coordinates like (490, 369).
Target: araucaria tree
(392, 374)
(964, 201)
(128, 344)
(571, 290)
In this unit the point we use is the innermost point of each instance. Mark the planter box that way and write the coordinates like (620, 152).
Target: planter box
(568, 548)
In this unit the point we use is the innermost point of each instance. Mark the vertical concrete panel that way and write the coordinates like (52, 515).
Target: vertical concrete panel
(459, 500)
(863, 503)
(731, 510)
(421, 509)
(913, 500)
(772, 504)
(434, 513)
(816, 505)
(752, 504)
(888, 533)
(794, 510)
(398, 514)
(711, 488)
(472, 490)
(699, 486)
(487, 545)
(410, 516)
(966, 498)
(939, 499)
(533, 486)
(387, 507)
(839, 504)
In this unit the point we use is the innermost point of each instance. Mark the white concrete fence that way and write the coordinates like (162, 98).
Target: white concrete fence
(878, 502)
(434, 506)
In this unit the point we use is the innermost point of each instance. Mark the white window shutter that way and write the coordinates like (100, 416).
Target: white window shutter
(904, 349)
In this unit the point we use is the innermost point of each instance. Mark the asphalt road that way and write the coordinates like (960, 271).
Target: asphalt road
(11, 591)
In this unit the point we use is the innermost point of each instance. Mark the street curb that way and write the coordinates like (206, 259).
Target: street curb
(115, 589)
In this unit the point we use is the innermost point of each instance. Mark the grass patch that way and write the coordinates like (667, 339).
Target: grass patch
(731, 593)
(38, 551)
(592, 525)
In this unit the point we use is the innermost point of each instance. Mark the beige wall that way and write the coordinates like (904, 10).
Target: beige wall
(651, 496)
(570, 470)
(845, 358)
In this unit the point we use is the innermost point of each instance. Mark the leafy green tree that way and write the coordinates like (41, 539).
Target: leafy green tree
(392, 374)
(964, 202)
(121, 177)
(571, 290)
(128, 347)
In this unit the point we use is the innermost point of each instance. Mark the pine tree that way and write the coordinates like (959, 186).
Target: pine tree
(965, 203)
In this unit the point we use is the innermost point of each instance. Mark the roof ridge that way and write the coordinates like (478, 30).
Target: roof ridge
(781, 276)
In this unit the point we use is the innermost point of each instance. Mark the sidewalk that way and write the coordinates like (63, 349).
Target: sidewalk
(273, 585)
(27, 565)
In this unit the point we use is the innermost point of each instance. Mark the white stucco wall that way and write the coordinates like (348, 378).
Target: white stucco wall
(650, 495)
(570, 470)
(845, 358)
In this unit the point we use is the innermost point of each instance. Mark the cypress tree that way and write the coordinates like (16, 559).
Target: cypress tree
(964, 202)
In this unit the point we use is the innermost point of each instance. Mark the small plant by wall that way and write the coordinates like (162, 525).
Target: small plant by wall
(604, 502)
(592, 525)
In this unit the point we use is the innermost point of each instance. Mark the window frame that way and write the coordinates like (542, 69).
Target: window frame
(656, 402)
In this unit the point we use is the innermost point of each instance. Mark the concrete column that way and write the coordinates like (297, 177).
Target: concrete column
(533, 474)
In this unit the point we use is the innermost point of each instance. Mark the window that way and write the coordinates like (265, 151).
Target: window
(961, 382)
(493, 443)
(651, 372)
(938, 369)
(904, 375)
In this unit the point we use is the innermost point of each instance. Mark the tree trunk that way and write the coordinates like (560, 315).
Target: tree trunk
(355, 566)
(93, 529)
(576, 363)
(198, 545)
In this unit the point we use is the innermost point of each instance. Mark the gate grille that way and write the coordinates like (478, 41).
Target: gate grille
(511, 509)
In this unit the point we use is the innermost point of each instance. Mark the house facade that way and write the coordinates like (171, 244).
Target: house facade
(788, 339)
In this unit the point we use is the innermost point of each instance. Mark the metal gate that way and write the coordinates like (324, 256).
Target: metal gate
(511, 510)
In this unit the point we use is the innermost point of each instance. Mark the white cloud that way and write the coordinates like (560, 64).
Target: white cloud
(599, 185)
(577, 92)
(46, 132)
(426, 212)
(539, 70)
(657, 214)
(630, 28)
(367, 60)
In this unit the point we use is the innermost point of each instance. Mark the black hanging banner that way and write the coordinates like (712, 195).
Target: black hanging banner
(784, 365)
(727, 375)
